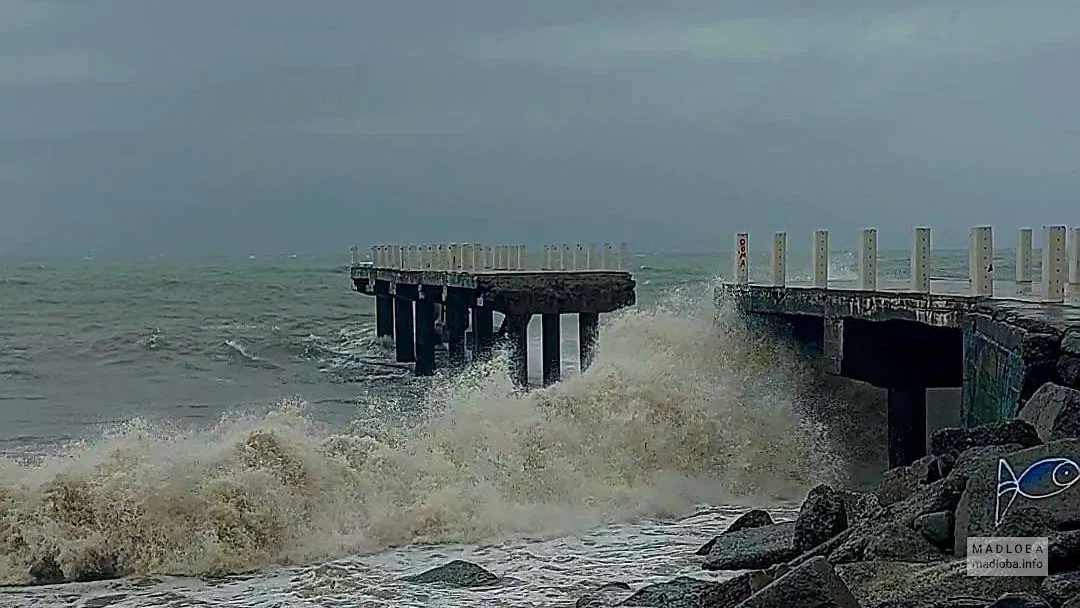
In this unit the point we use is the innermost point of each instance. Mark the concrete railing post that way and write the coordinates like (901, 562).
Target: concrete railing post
(522, 257)
(545, 258)
(1074, 260)
(868, 259)
(581, 260)
(820, 258)
(593, 259)
(354, 254)
(624, 257)
(1053, 265)
(981, 267)
(779, 259)
(486, 256)
(741, 265)
(402, 257)
(607, 257)
(1023, 261)
(920, 260)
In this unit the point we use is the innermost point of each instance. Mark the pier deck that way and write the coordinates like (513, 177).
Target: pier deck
(997, 340)
(461, 287)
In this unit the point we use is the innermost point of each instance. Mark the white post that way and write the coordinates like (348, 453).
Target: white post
(1053, 266)
(607, 257)
(580, 261)
(624, 256)
(523, 257)
(920, 261)
(593, 259)
(353, 254)
(430, 262)
(982, 261)
(545, 257)
(478, 256)
(741, 265)
(402, 257)
(868, 259)
(1023, 261)
(375, 256)
(566, 257)
(1074, 260)
(820, 258)
(779, 259)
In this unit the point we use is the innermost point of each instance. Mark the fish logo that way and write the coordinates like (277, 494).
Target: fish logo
(1043, 479)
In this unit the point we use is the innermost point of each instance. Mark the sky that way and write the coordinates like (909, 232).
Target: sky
(145, 127)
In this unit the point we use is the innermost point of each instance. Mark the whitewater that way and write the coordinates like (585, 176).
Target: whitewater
(687, 417)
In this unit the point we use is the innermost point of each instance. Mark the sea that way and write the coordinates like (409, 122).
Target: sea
(231, 432)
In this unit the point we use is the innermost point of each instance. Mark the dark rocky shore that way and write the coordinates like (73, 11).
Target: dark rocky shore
(902, 546)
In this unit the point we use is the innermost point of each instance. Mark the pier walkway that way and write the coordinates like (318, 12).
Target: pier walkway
(998, 336)
(459, 287)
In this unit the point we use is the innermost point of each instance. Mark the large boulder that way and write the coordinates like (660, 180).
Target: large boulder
(823, 515)
(981, 513)
(752, 548)
(605, 596)
(860, 506)
(751, 519)
(957, 440)
(685, 592)
(942, 495)
(885, 541)
(813, 584)
(901, 482)
(1019, 600)
(900, 584)
(457, 573)
(1063, 551)
(1054, 411)
(937, 528)
(1061, 588)
(971, 459)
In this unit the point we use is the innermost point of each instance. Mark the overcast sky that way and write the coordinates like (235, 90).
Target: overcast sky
(268, 126)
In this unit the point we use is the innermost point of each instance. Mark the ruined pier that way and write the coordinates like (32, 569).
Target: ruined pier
(460, 287)
(997, 336)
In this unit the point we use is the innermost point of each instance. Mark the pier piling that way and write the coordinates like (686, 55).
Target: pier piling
(426, 337)
(551, 335)
(588, 324)
(404, 338)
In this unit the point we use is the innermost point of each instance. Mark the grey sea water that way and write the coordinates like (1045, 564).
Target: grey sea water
(230, 432)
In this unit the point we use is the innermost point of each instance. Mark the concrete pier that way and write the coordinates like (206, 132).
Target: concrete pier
(996, 340)
(469, 283)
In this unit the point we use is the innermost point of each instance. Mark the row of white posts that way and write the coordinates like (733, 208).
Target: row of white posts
(1057, 262)
(465, 257)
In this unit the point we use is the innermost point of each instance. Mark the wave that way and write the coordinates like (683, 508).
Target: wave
(677, 410)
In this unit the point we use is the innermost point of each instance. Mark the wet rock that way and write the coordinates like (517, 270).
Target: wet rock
(978, 507)
(752, 548)
(901, 482)
(46, 571)
(937, 528)
(1070, 342)
(751, 519)
(1061, 588)
(937, 584)
(942, 495)
(457, 573)
(685, 592)
(1068, 368)
(958, 440)
(1019, 600)
(605, 596)
(886, 542)
(945, 464)
(860, 506)
(1073, 603)
(823, 515)
(813, 584)
(969, 460)
(1054, 412)
(1063, 551)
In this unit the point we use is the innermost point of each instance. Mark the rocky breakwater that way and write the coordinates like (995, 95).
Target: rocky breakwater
(904, 545)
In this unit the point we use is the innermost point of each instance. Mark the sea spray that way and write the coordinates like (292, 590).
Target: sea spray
(676, 411)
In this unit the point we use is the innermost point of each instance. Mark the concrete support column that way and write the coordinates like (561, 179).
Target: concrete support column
(404, 340)
(517, 326)
(457, 321)
(907, 425)
(426, 338)
(588, 324)
(483, 323)
(550, 347)
(384, 310)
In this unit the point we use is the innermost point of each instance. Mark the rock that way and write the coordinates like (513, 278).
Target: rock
(969, 460)
(894, 542)
(813, 584)
(751, 519)
(823, 515)
(1061, 588)
(752, 548)
(1073, 603)
(937, 528)
(685, 592)
(860, 506)
(1054, 411)
(1019, 600)
(457, 573)
(978, 508)
(605, 596)
(958, 440)
(945, 464)
(1063, 551)
(879, 584)
(45, 571)
(901, 482)
(1070, 342)
(1068, 368)
(942, 495)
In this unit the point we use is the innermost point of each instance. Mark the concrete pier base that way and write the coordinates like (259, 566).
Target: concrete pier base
(404, 338)
(426, 337)
(384, 313)
(551, 359)
(457, 322)
(483, 323)
(907, 425)
(517, 326)
(588, 326)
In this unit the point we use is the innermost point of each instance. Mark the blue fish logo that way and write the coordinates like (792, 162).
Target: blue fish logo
(1043, 479)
